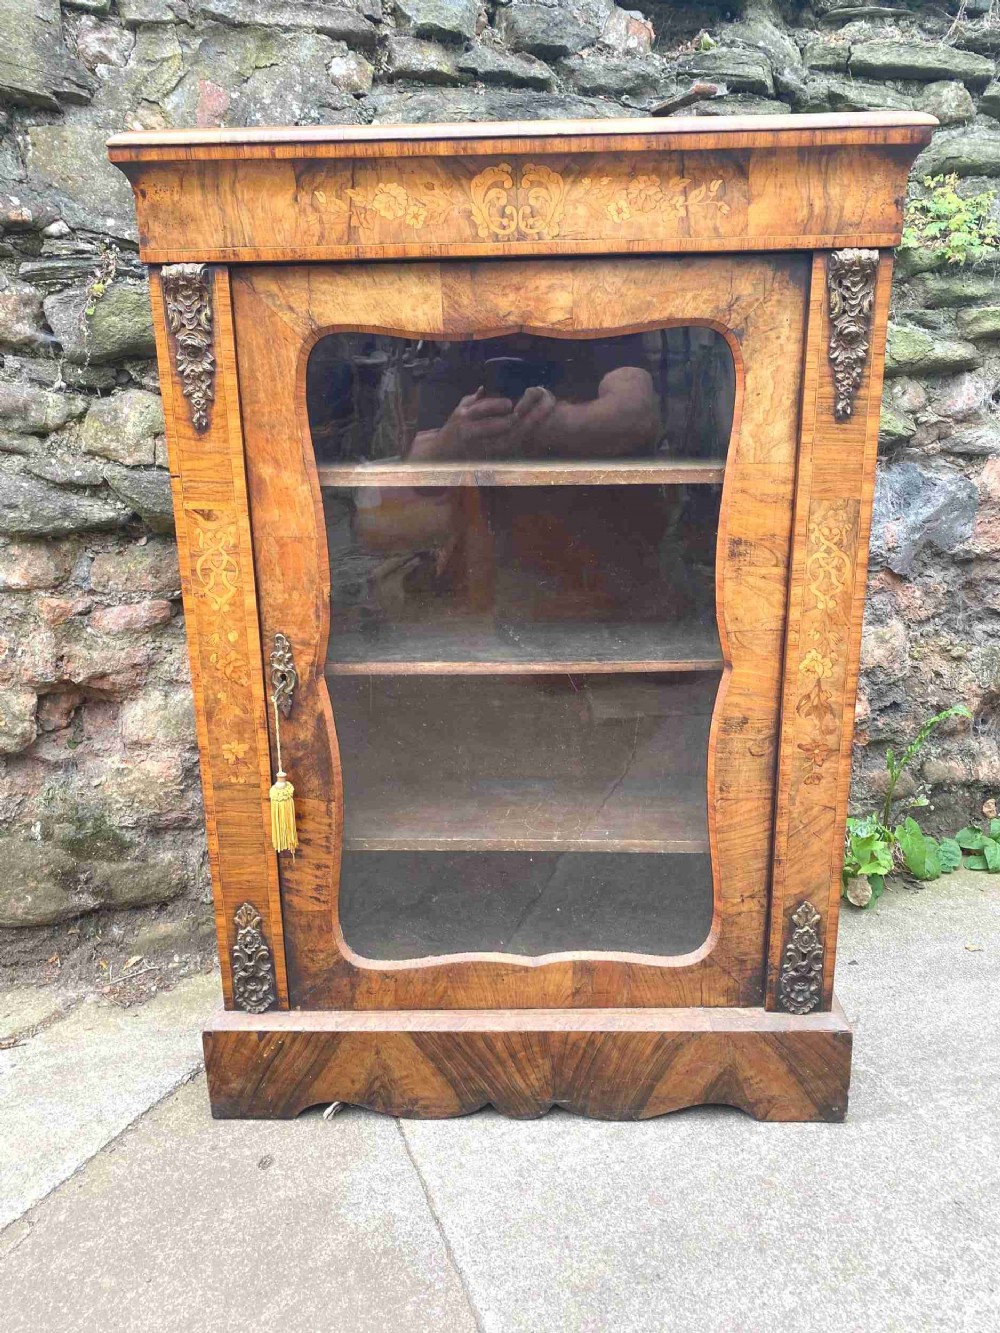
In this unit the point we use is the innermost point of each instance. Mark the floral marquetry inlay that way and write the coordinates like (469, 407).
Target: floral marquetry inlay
(526, 201)
(392, 202)
(674, 196)
(827, 593)
(215, 566)
(234, 753)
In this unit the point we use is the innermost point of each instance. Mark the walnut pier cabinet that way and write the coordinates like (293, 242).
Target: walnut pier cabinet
(523, 477)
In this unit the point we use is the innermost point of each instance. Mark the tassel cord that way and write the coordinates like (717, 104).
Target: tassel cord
(284, 836)
(277, 734)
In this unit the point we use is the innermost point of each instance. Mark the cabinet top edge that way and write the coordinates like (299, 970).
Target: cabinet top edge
(689, 132)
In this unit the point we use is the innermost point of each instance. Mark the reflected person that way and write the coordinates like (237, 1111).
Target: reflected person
(523, 397)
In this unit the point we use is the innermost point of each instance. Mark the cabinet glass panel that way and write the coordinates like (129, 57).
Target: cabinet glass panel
(523, 658)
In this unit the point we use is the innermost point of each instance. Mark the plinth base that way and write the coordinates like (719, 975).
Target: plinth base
(612, 1064)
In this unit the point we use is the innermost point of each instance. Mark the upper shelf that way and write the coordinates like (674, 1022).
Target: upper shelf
(615, 472)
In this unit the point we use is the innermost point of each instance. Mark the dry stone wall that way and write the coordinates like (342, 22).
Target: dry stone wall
(101, 845)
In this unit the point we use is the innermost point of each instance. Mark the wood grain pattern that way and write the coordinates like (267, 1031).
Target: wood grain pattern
(613, 135)
(836, 478)
(589, 187)
(611, 1035)
(567, 472)
(289, 210)
(610, 1064)
(208, 479)
(760, 307)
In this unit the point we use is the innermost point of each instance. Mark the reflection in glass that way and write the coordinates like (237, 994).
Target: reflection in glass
(523, 662)
(376, 398)
(522, 575)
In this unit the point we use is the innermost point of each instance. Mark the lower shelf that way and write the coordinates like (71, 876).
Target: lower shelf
(611, 1064)
(529, 816)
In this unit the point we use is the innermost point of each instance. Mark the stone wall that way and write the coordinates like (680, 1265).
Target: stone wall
(102, 844)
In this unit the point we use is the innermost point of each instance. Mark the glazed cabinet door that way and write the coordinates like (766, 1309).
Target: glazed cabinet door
(526, 527)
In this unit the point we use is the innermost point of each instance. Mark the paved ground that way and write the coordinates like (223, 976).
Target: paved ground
(702, 1222)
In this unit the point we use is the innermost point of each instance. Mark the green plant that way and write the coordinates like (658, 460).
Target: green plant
(875, 847)
(101, 277)
(923, 856)
(954, 225)
(897, 767)
(868, 856)
(982, 849)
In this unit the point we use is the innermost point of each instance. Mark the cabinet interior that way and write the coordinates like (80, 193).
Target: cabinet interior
(523, 656)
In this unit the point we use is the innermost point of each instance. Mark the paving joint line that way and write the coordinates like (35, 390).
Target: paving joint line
(18, 1036)
(82, 1166)
(452, 1257)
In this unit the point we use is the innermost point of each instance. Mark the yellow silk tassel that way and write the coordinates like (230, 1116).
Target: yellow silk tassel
(284, 837)
(283, 834)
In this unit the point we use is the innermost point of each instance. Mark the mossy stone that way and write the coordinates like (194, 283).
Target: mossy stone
(944, 290)
(918, 352)
(982, 322)
(895, 427)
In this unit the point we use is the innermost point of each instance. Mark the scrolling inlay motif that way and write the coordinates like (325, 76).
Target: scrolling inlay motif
(187, 297)
(511, 202)
(216, 566)
(800, 985)
(828, 571)
(850, 278)
(253, 970)
(537, 219)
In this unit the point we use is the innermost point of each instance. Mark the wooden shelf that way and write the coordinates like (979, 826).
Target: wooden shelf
(610, 472)
(542, 815)
(478, 646)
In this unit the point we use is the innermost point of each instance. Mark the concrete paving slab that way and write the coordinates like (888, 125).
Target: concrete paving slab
(70, 1089)
(708, 1222)
(703, 1221)
(194, 1225)
(23, 1011)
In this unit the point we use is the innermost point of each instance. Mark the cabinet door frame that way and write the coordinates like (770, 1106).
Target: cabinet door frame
(760, 305)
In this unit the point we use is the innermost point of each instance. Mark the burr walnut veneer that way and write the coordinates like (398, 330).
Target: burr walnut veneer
(523, 478)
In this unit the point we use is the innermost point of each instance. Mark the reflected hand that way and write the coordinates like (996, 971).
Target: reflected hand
(533, 411)
(475, 423)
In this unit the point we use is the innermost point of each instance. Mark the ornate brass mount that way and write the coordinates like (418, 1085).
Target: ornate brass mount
(187, 297)
(801, 981)
(284, 677)
(850, 280)
(253, 970)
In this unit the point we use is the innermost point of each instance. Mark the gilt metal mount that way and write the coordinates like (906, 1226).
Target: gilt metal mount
(284, 677)
(800, 985)
(850, 279)
(187, 299)
(252, 966)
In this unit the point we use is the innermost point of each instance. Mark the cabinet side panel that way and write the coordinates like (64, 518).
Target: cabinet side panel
(833, 503)
(208, 480)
